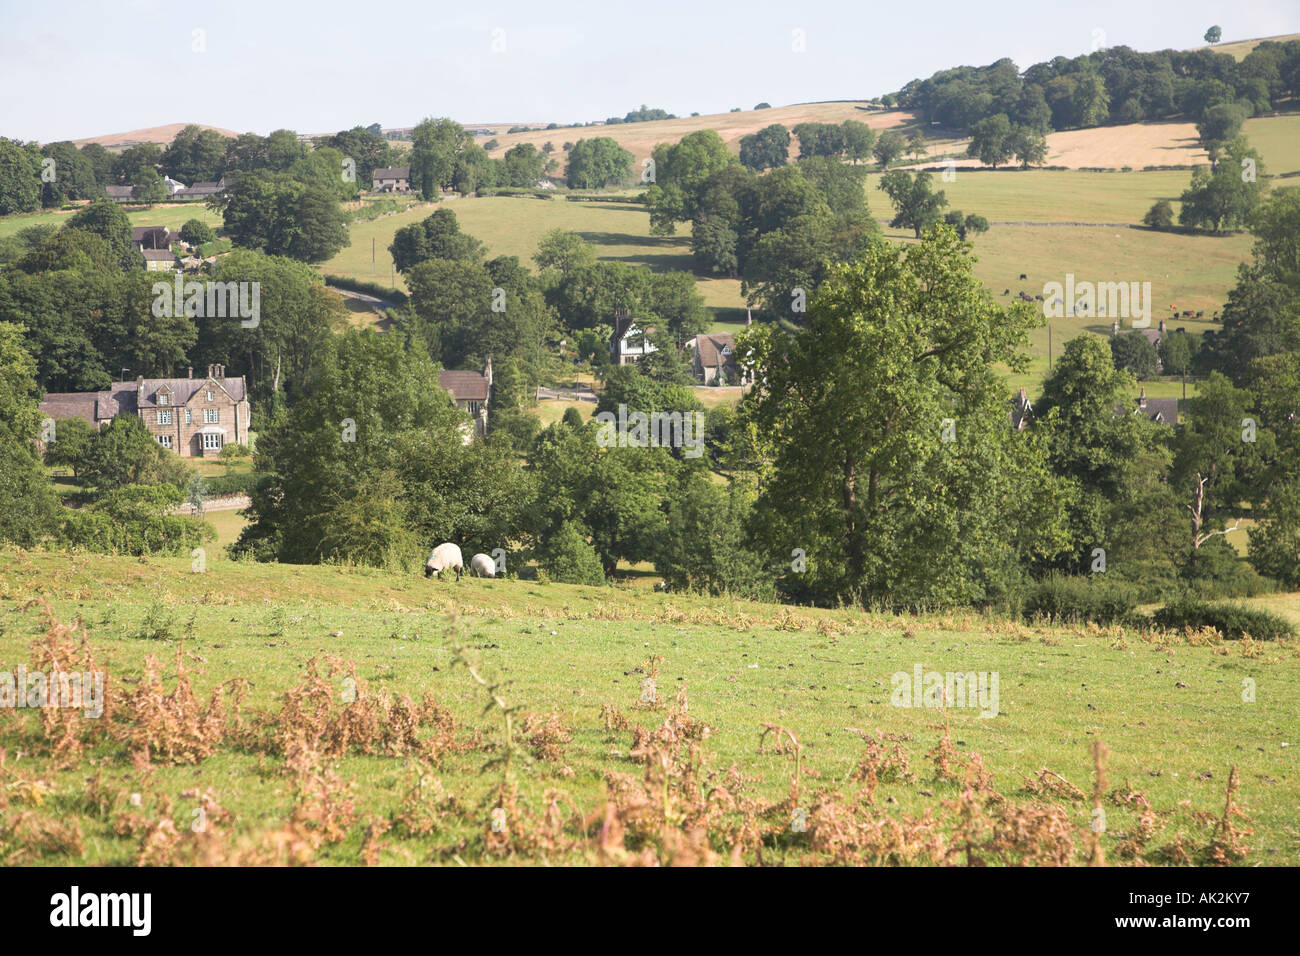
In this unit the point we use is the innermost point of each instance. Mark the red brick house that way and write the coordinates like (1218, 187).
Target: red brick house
(194, 417)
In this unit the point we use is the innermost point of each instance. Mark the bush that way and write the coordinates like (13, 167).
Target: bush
(568, 558)
(134, 520)
(1160, 216)
(1233, 621)
(216, 247)
(1215, 571)
(374, 210)
(236, 483)
(196, 232)
(1079, 599)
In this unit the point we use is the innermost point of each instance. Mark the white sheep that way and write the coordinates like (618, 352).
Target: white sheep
(481, 566)
(444, 556)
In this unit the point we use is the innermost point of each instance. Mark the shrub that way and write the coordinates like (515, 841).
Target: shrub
(1233, 621)
(196, 232)
(236, 483)
(1078, 599)
(1159, 216)
(568, 557)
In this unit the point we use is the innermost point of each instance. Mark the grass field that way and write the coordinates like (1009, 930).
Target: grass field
(173, 216)
(1172, 715)
(1190, 271)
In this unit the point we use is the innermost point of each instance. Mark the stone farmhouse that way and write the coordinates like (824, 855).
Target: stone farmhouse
(471, 391)
(194, 417)
(396, 179)
(713, 360)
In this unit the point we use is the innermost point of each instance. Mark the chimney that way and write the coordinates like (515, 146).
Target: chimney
(212, 371)
(1142, 397)
(189, 371)
(487, 371)
(139, 390)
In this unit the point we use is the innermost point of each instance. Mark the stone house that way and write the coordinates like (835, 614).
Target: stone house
(194, 417)
(158, 260)
(395, 179)
(713, 360)
(471, 391)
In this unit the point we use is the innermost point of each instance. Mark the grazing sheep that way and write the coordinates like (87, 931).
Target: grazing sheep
(444, 556)
(1023, 276)
(481, 566)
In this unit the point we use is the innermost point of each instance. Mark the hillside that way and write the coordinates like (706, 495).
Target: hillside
(161, 135)
(580, 658)
(1240, 48)
(641, 138)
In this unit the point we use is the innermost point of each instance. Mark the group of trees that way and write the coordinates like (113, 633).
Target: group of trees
(1109, 85)
(917, 206)
(87, 312)
(444, 156)
(776, 231)
(130, 482)
(32, 175)
(769, 148)
(1220, 196)
(464, 309)
(598, 162)
(996, 140)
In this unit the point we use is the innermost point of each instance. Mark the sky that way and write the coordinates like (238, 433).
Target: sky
(73, 70)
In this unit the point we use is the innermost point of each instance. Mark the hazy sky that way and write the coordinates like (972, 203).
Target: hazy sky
(72, 70)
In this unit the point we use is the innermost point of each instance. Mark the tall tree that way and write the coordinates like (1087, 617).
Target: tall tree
(30, 506)
(889, 449)
(916, 205)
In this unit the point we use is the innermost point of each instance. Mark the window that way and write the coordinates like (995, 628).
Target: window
(188, 416)
(209, 396)
(164, 398)
(165, 441)
(211, 441)
(211, 416)
(165, 417)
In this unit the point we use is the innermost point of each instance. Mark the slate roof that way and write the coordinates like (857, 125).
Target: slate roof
(465, 386)
(392, 172)
(155, 237)
(183, 389)
(1163, 411)
(120, 398)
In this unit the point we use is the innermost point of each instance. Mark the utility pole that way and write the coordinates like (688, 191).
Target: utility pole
(1049, 345)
